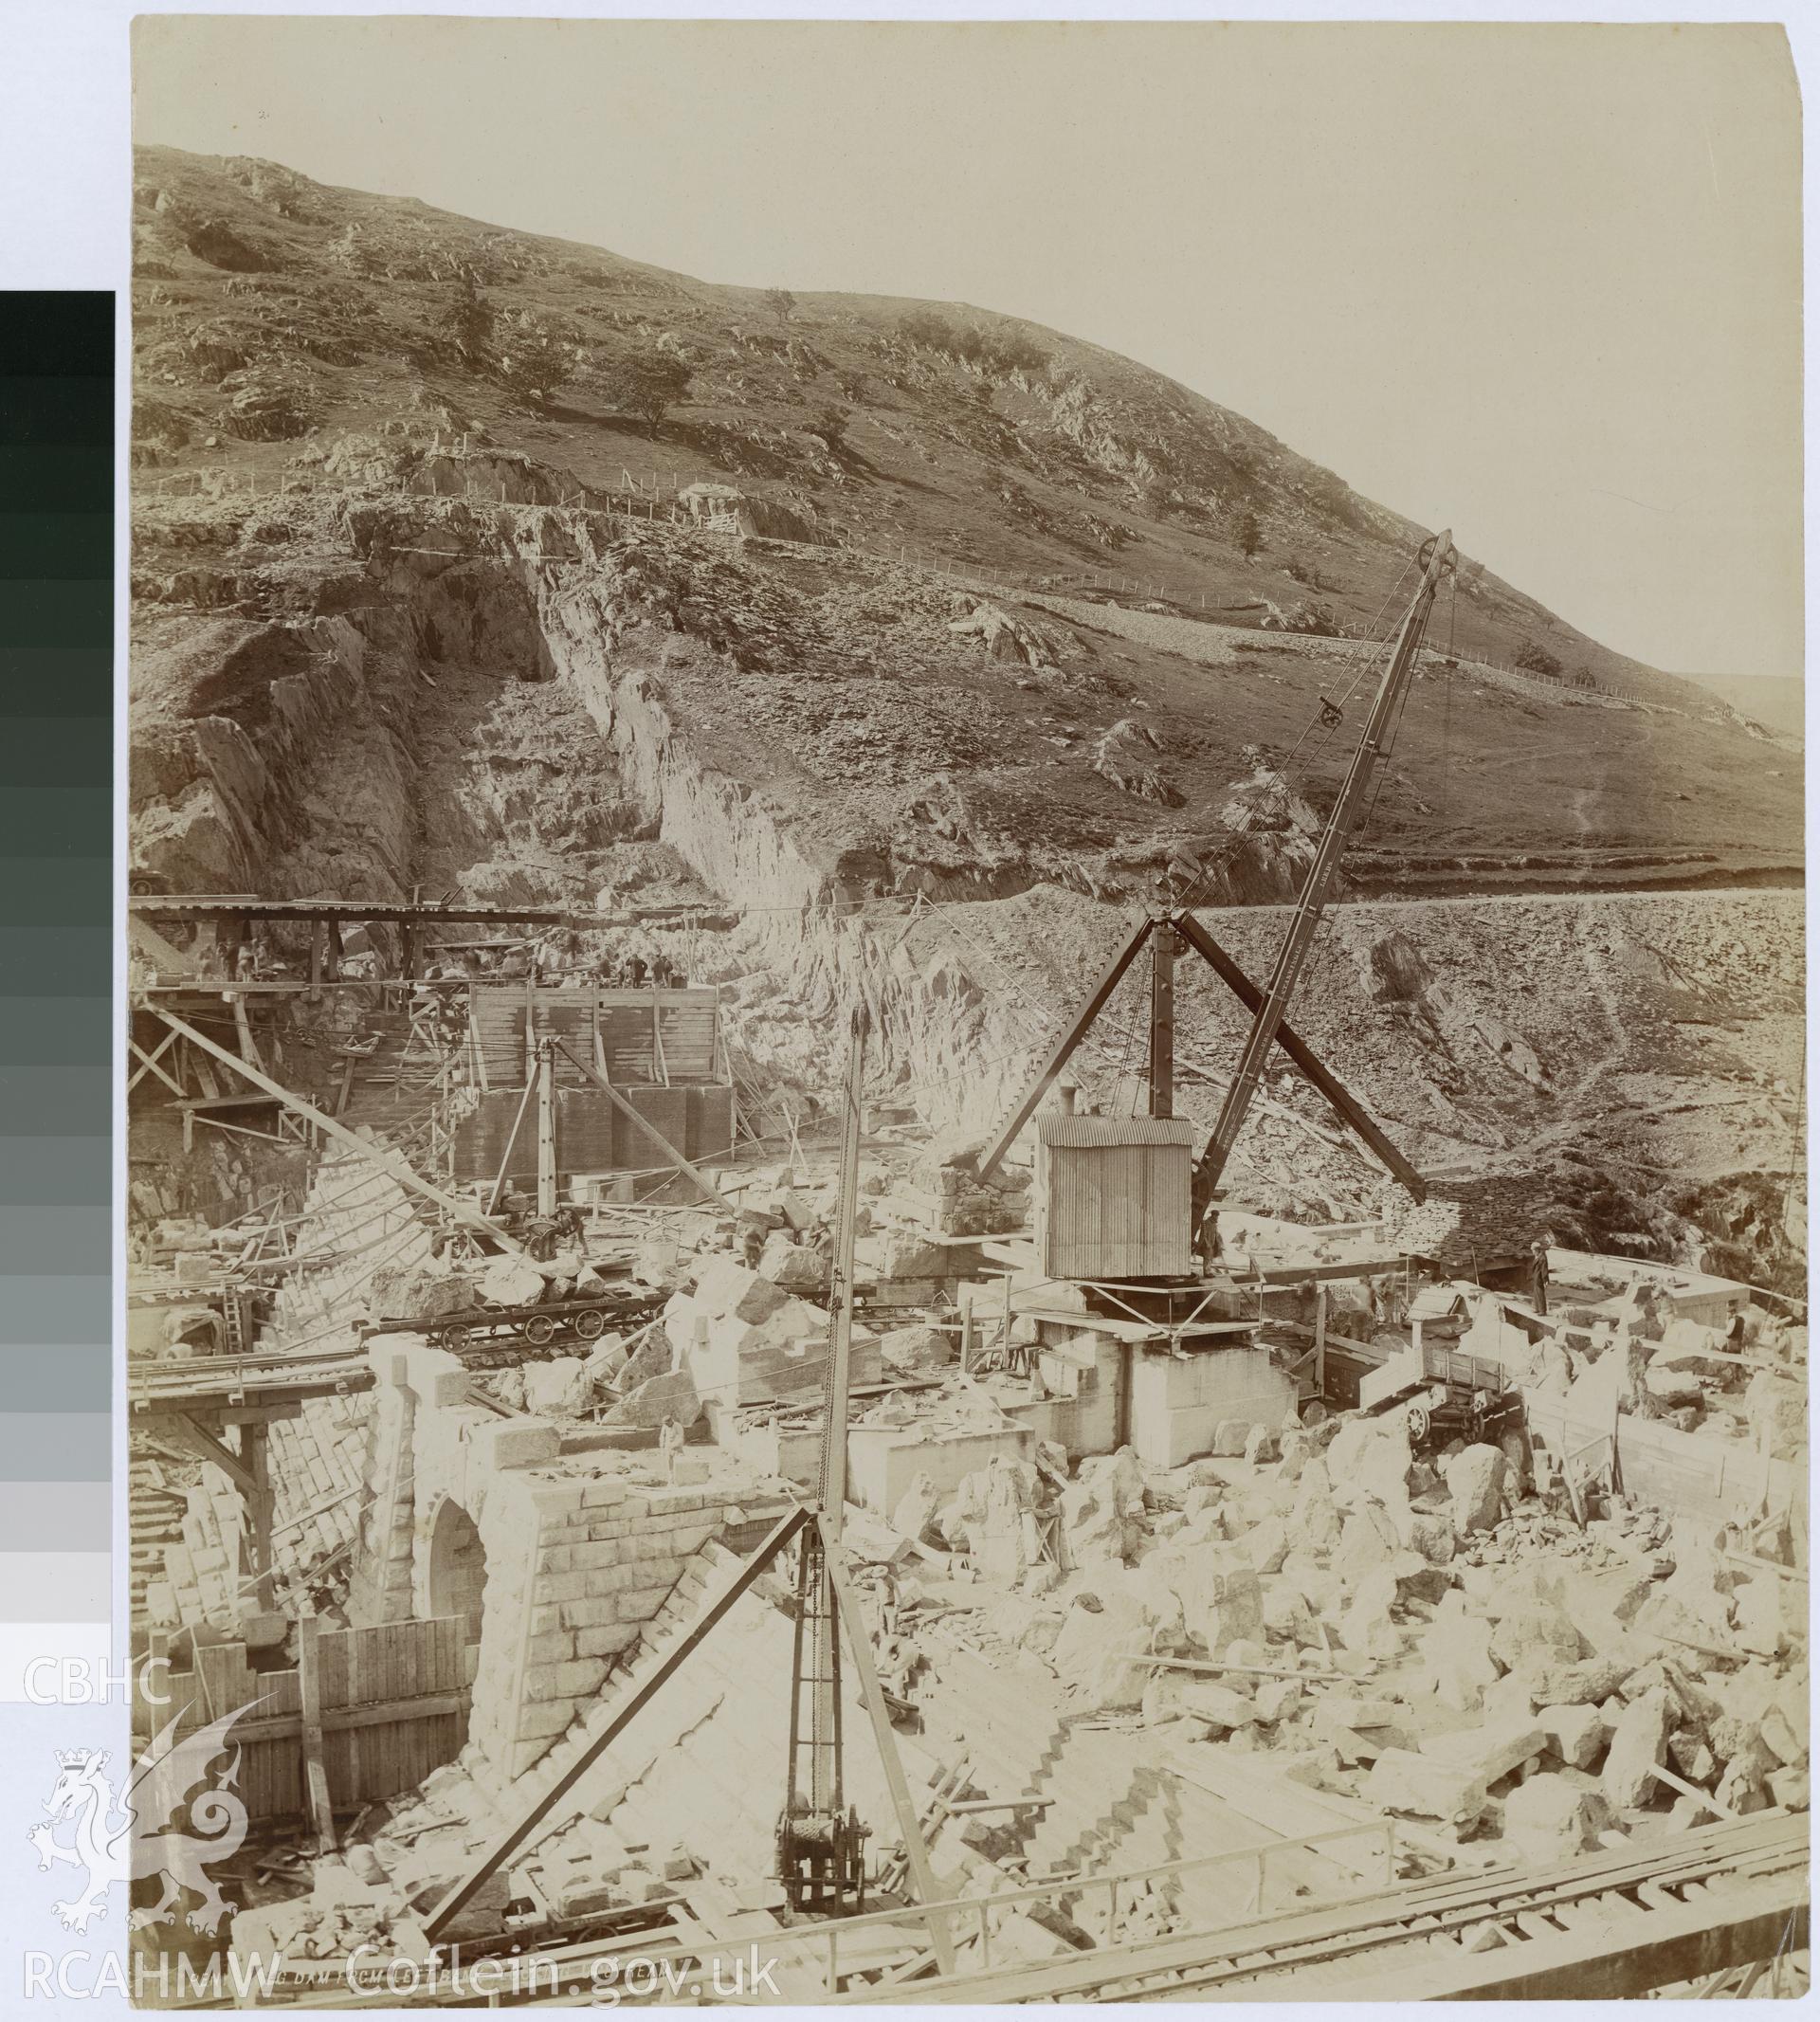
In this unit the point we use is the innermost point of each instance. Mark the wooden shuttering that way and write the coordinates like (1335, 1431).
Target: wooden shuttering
(591, 1135)
(393, 1702)
(1112, 1197)
(636, 1038)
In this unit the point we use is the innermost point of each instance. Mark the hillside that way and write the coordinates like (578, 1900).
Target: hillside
(446, 409)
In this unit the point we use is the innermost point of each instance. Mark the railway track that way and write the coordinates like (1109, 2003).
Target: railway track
(1609, 1924)
(1605, 1926)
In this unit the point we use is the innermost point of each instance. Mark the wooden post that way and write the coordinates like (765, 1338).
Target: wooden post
(546, 1131)
(840, 1351)
(1162, 1020)
(333, 964)
(966, 1332)
(1321, 1340)
(410, 951)
(319, 935)
(531, 1024)
(243, 1026)
(315, 1775)
(258, 1535)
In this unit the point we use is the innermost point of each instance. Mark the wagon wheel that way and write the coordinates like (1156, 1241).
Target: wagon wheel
(539, 1329)
(456, 1339)
(590, 1325)
(1418, 1421)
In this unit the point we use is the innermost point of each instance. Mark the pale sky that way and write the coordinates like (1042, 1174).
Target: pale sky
(1538, 283)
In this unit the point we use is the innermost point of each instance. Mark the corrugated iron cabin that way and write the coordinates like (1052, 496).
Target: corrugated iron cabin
(1111, 1196)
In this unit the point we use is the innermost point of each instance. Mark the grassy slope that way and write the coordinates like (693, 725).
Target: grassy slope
(255, 285)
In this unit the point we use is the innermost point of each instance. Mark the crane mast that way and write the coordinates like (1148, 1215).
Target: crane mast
(1348, 809)
(821, 1841)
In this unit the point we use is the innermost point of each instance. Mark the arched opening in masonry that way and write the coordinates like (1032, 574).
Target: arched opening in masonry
(457, 1583)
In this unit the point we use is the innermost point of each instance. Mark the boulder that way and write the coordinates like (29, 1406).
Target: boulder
(1493, 1751)
(916, 1512)
(1785, 1737)
(1267, 1545)
(1576, 1734)
(1460, 1664)
(1425, 1786)
(1639, 1746)
(1589, 1682)
(1094, 1528)
(1371, 1457)
(648, 1404)
(917, 1347)
(726, 1289)
(1277, 1698)
(1367, 1626)
(904, 1253)
(1530, 1633)
(509, 1281)
(1101, 1634)
(561, 1388)
(1261, 1445)
(1316, 1519)
(1475, 1479)
(651, 1357)
(1219, 1706)
(1003, 1534)
(1367, 1541)
(1547, 1819)
(1433, 1538)
(419, 1292)
(1761, 1619)
(798, 1268)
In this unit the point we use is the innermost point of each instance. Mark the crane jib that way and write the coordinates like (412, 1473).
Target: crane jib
(1310, 904)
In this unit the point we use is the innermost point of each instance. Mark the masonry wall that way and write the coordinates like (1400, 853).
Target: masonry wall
(1177, 1402)
(581, 1550)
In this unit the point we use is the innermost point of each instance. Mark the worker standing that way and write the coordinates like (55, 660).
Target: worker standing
(669, 1444)
(1538, 1270)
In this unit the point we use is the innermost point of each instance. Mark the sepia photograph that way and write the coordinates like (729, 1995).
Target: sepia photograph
(964, 1017)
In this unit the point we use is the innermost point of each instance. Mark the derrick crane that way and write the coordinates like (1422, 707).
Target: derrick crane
(1354, 795)
(1166, 930)
(821, 1848)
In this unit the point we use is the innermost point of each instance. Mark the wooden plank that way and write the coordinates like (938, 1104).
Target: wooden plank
(288, 1725)
(315, 1775)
